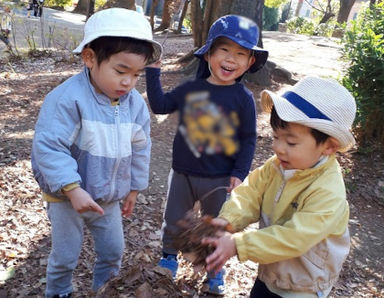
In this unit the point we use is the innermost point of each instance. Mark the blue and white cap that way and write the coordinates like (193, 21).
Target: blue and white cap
(322, 104)
(241, 30)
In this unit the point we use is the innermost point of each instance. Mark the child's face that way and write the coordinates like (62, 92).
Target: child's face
(117, 75)
(296, 148)
(228, 61)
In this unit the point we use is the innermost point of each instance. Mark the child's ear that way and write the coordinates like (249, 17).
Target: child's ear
(252, 60)
(206, 55)
(89, 57)
(331, 146)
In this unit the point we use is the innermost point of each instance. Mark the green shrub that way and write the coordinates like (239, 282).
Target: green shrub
(270, 18)
(300, 25)
(57, 3)
(364, 51)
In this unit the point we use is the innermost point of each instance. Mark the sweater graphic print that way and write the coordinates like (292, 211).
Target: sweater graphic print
(207, 128)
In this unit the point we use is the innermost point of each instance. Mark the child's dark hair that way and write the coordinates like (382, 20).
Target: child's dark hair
(276, 123)
(106, 46)
(221, 40)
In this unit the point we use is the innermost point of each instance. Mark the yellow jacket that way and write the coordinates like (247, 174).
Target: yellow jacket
(303, 237)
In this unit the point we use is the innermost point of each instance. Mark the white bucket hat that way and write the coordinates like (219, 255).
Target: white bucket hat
(119, 22)
(322, 104)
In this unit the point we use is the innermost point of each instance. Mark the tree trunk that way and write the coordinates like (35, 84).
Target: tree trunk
(345, 9)
(327, 14)
(197, 22)
(182, 17)
(168, 8)
(299, 6)
(91, 8)
(129, 4)
(81, 7)
(152, 14)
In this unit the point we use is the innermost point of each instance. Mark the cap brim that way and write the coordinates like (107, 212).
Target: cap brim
(290, 113)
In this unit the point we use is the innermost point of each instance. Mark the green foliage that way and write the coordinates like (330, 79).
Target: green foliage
(57, 3)
(301, 25)
(274, 3)
(270, 18)
(364, 51)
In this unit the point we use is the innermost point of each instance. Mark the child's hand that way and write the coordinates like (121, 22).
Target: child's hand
(82, 201)
(225, 248)
(233, 182)
(129, 203)
(156, 64)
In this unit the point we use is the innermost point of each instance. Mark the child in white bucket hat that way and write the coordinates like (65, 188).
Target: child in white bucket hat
(92, 145)
(298, 196)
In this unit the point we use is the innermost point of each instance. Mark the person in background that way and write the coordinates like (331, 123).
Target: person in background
(298, 196)
(6, 26)
(216, 135)
(91, 148)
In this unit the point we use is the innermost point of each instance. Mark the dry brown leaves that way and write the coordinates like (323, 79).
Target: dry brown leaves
(24, 227)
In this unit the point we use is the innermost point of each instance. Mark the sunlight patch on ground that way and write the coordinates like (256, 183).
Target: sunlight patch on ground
(20, 135)
(161, 118)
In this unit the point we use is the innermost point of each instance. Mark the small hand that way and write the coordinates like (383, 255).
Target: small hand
(82, 201)
(233, 182)
(129, 203)
(225, 248)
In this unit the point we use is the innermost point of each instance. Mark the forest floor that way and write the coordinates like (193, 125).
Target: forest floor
(25, 229)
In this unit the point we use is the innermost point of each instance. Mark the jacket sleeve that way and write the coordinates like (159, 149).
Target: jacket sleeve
(160, 102)
(322, 213)
(55, 130)
(247, 136)
(141, 150)
(244, 206)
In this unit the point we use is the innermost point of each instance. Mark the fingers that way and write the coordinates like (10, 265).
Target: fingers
(127, 210)
(96, 208)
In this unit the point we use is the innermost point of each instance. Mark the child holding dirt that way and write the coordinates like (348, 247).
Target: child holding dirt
(91, 147)
(215, 141)
(298, 196)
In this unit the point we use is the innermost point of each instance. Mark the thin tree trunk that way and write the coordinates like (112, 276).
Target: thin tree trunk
(152, 14)
(182, 17)
(345, 9)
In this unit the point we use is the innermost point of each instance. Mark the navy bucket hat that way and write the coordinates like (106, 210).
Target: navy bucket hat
(239, 29)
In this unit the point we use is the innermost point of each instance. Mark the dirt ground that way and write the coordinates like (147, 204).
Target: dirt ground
(25, 230)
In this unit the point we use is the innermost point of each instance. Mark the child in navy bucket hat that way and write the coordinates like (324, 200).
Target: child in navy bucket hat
(91, 148)
(216, 136)
(297, 196)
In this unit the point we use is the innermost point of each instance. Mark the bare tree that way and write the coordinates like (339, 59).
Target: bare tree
(327, 11)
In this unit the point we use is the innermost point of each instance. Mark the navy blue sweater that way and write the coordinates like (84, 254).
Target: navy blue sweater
(216, 136)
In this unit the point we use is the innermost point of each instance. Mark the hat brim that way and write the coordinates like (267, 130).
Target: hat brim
(261, 55)
(157, 48)
(290, 113)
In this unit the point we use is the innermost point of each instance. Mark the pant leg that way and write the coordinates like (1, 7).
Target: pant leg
(107, 232)
(211, 204)
(67, 239)
(260, 290)
(180, 200)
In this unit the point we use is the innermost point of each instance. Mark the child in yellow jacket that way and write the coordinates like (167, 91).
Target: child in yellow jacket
(298, 196)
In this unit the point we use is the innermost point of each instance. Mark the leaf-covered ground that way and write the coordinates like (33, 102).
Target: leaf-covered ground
(25, 229)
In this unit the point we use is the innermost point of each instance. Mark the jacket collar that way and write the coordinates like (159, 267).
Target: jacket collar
(318, 167)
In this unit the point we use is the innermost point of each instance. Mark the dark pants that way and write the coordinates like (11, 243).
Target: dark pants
(183, 193)
(260, 290)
